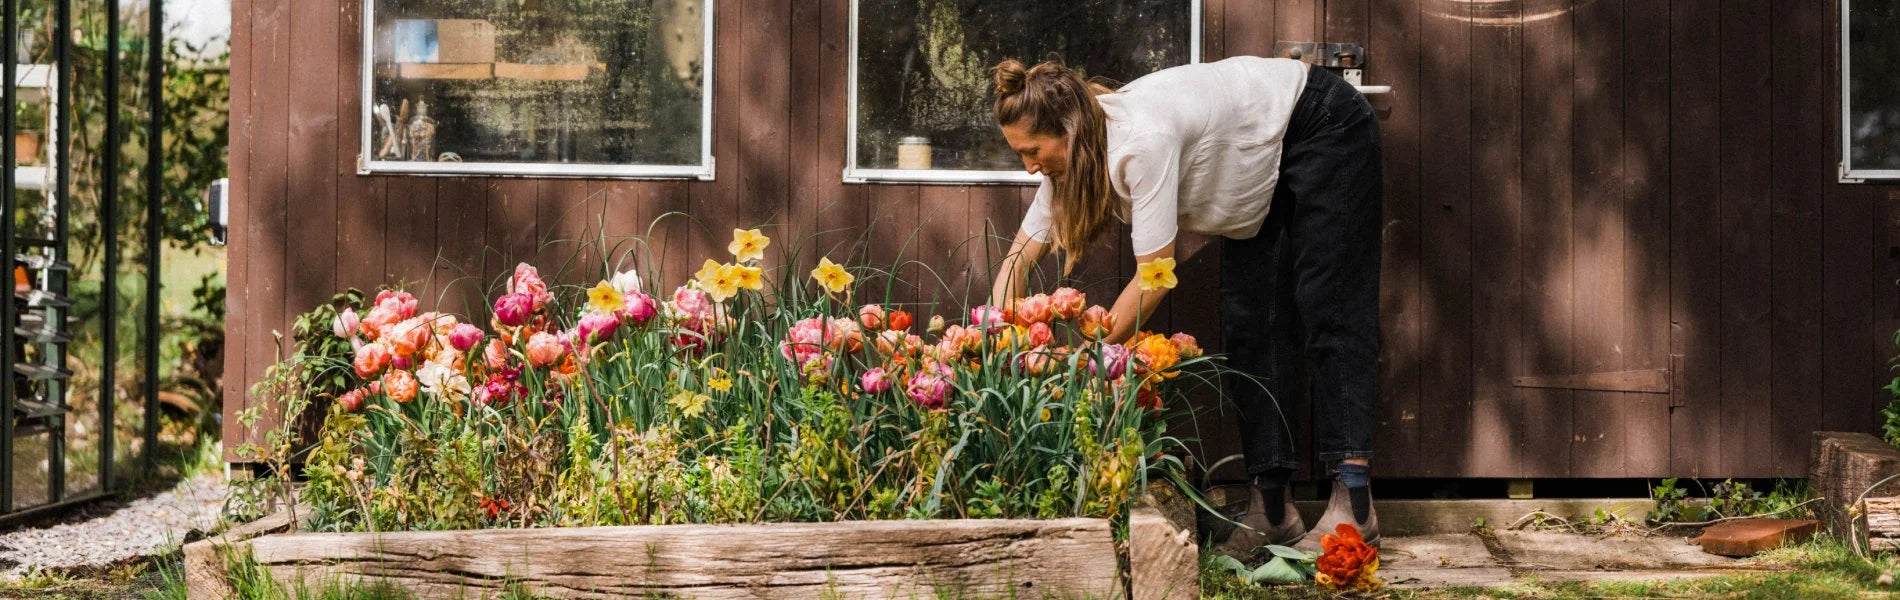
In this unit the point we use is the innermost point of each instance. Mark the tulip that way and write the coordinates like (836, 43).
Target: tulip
(352, 401)
(1034, 309)
(875, 381)
(1097, 322)
(378, 320)
(527, 280)
(639, 308)
(692, 302)
(986, 317)
(1186, 345)
(400, 385)
(403, 304)
(843, 335)
(1040, 335)
(872, 317)
(929, 389)
(804, 342)
(1068, 303)
(346, 323)
(626, 282)
(1037, 363)
(514, 309)
(464, 337)
(545, 349)
(899, 321)
(597, 327)
(401, 363)
(495, 355)
(1112, 363)
(371, 359)
(936, 325)
(407, 337)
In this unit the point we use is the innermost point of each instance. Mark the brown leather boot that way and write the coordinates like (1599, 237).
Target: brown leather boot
(1339, 510)
(1245, 542)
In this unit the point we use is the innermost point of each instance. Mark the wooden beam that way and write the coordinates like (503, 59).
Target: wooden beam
(1647, 381)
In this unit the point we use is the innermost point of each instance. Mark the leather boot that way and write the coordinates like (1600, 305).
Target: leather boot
(1244, 542)
(1339, 510)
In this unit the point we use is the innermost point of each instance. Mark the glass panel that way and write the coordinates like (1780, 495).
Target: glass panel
(923, 68)
(608, 82)
(1874, 100)
(31, 486)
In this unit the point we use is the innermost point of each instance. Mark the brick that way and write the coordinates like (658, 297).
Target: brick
(1748, 537)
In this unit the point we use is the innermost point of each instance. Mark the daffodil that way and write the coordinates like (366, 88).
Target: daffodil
(751, 278)
(748, 244)
(1157, 275)
(604, 298)
(722, 283)
(689, 404)
(720, 383)
(707, 270)
(832, 276)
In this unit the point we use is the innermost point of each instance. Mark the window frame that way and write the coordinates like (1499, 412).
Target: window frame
(704, 171)
(854, 174)
(1850, 174)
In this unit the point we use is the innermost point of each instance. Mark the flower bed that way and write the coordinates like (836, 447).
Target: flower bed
(733, 400)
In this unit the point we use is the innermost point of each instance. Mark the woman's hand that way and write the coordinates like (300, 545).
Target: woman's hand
(1136, 304)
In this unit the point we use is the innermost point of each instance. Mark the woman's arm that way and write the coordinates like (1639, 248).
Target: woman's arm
(1012, 275)
(1136, 304)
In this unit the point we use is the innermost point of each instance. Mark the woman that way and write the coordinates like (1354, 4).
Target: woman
(1281, 160)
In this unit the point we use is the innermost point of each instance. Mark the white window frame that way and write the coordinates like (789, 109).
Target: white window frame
(853, 174)
(702, 171)
(1849, 174)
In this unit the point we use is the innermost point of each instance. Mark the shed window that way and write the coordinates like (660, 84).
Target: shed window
(1870, 110)
(920, 81)
(613, 88)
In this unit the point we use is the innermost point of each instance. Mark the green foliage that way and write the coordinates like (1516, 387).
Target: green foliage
(1890, 426)
(1671, 502)
(1729, 499)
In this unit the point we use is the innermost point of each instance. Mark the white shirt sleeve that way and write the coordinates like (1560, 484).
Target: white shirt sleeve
(1038, 221)
(1152, 173)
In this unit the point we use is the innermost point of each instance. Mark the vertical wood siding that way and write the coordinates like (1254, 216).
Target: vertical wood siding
(1595, 190)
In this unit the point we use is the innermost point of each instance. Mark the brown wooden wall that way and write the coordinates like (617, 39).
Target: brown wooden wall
(1586, 186)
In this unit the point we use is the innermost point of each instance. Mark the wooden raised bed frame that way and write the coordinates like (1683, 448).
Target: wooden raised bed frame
(1029, 559)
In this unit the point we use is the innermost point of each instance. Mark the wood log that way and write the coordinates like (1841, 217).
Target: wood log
(1882, 516)
(1844, 467)
(1164, 560)
(976, 558)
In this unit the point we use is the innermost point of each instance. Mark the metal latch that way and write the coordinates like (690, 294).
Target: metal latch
(1349, 59)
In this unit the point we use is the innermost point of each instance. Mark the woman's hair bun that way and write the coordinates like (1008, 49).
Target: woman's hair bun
(1010, 75)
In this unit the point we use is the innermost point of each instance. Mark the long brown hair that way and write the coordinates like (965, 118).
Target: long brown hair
(1052, 99)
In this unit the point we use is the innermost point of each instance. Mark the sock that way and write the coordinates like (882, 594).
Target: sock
(1358, 481)
(1272, 486)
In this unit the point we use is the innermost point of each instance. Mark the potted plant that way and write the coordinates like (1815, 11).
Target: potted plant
(29, 119)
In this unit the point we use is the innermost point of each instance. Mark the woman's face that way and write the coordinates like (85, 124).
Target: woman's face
(1045, 154)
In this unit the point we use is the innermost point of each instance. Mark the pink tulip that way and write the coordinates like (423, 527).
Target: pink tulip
(597, 327)
(804, 342)
(1040, 335)
(637, 307)
(352, 401)
(401, 303)
(1097, 322)
(513, 309)
(871, 316)
(1037, 363)
(377, 321)
(527, 280)
(407, 337)
(346, 323)
(930, 387)
(464, 337)
(695, 303)
(875, 381)
(401, 363)
(495, 354)
(1032, 310)
(371, 359)
(1112, 363)
(986, 317)
(1186, 345)
(1068, 303)
(545, 349)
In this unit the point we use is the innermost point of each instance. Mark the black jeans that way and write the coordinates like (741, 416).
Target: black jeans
(1307, 287)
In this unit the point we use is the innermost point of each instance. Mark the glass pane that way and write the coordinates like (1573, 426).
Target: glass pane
(923, 68)
(1874, 49)
(31, 484)
(611, 82)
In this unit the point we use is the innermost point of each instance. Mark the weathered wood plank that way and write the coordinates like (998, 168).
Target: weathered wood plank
(1164, 558)
(860, 559)
(1746, 225)
(1550, 290)
(1797, 133)
(1695, 239)
(1446, 213)
(1394, 60)
(1883, 523)
(1601, 300)
(267, 196)
(1645, 267)
(238, 316)
(1497, 308)
(1644, 381)
(461, 228)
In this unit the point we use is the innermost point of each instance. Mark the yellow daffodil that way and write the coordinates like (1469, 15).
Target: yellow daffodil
(723, 282)
(720, 383)
(832, 276)
(748, 244)
(751, 278)
(1157, 275)
(689, 404)
(707, 271)
(604, 298)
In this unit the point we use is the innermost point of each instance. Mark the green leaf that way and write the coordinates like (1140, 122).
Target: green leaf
(1228, 563)
(1276, 571)
(1292, 554)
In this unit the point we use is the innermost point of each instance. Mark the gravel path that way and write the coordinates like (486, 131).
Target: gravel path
(133, 529)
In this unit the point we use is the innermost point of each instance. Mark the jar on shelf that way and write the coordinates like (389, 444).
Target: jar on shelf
(913, 152)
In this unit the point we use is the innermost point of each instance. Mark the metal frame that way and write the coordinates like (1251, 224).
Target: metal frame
(1849, 174)
(853, 174)
(702, 171)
